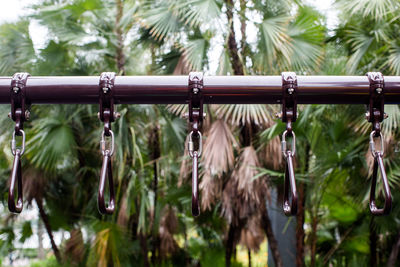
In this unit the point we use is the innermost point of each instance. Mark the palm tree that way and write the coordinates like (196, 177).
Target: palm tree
(152, 224)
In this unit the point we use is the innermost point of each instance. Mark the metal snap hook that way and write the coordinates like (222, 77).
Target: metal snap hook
(16, 177)
(284, 145)
(290, 208)
(196, 117)
(379, 166)
(103, 147)
(378, 162)
(372, 144)
(289, 115)
(191, 145)
(106, 170)
(14, 147)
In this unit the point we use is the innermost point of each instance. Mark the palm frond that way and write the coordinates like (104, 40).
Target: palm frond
(161, 20)
(360, 43)
(393, 60)
(16, 48)
(218, 149)
(195, 52)
(210, 187)
(377, 9)
(307, 35)
(196, 12)
(52, 144)
(252, 234)
(274, 41)
(241, 114)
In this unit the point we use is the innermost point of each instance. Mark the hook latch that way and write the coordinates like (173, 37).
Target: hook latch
(289, 115)
(19, 114)
(376, 115)
(196, 117)
(106, 115)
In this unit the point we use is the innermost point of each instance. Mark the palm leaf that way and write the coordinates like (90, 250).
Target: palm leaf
(161, 20)
(307, 35)
(196, 12)
(52, 143)
(218, 149)
(393, 60)
(378, 9)
(195, 52)
(242, 114)
(274, 40)
(360, 43)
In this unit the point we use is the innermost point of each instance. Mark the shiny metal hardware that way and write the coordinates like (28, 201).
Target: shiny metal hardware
(19, 114)
(196, 117)
(289, 115)
(191, 145)
(387, 207)
(376, 115)
(106, 171)
(107, 115)
(372, 144)
(14, 147)
(16, 178)
(285, 151)
(103, 147)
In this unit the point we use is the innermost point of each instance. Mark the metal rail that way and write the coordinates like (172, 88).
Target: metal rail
(217, 90)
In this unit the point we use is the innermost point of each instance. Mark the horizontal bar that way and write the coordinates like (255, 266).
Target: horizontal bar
(217, 90)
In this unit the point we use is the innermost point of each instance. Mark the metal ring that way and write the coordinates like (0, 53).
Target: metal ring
(103, 148)
(14, 147)
(191, 145)
(284, 146)
(372, 144)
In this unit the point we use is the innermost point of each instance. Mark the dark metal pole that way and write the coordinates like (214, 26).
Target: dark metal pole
(217, 90)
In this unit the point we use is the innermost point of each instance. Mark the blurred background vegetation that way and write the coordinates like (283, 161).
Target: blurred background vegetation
(241, 164)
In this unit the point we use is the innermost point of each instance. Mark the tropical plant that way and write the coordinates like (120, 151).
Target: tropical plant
(152, 224)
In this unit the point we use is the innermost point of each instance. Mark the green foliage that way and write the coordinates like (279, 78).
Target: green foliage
(152, 221)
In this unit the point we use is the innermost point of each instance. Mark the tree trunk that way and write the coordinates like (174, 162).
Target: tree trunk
(236, 63)
(300, 235)
(120, 56)
(394, 253)
(249, 255)
(41, 254)
(155, 154)
(243, 46)
(229, 245)
(143, 247)
(313, 238)
(372, 243)
(300, 226)
(273, 244)
(46, 223)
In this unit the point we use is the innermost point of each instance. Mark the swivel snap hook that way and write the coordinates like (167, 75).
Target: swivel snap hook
(18, 114)
(376, 116)
(196, 117)
(106, 114)
(289, 115)
(16, 175)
